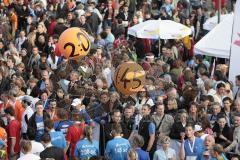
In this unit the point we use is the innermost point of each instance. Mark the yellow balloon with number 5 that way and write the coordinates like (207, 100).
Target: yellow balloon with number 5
(129, 78)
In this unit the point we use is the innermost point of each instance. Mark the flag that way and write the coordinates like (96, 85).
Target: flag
(213, 68)
(235, 45)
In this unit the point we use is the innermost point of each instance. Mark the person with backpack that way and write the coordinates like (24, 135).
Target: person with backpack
(147, 129)
(163, 122)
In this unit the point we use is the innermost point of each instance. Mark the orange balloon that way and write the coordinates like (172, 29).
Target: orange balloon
(74, 43)
(129, 78)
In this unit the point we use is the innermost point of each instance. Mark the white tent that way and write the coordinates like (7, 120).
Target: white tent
(217, 42)
(213, 21)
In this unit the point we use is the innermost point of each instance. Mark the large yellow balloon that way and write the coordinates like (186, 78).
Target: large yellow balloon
(129, 78)
(74, 43)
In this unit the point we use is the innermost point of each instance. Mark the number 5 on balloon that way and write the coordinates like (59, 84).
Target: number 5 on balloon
(135, 79)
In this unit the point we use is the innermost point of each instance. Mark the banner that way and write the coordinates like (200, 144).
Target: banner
(235, 45)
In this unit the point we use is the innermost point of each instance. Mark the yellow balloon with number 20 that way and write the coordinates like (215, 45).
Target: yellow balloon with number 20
(129, 78)
(74, 43)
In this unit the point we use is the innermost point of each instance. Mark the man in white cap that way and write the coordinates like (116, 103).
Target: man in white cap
(26, 103)
(150, 57)
(199, 132)
(77, 105)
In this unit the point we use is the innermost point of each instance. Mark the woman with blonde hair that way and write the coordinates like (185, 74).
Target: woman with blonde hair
(137, 142)
(114, 102)
(31, 38)
(43, 29)
(87, 147)
(172, 107)
(18, 85)
(41, 40)
(165, 153)
(132, 155)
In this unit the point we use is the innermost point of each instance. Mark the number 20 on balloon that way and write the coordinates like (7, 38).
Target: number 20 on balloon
(74, 43)
(129, 78)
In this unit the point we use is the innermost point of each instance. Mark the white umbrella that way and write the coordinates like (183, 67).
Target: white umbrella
(159, 29)
(213, 21)
(217, 42)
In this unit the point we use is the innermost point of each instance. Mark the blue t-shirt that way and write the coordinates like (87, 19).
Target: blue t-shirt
(40, 127)
(142, 155)
(110, 38)
(168, 8)
(2, 143)
(86, 116)
(42, 85)
(117, 149)
(195, 149)
(85, 149)
(151, 128)
(63, 126)
(58, 139)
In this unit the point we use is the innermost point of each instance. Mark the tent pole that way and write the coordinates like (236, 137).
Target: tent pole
(219, 16)
(219, 10)
(159, 46)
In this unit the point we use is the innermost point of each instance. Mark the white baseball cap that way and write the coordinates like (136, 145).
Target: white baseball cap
(76, 102)
(197, 128)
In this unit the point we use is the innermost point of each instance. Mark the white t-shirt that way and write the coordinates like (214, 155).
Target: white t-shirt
(108, 75)
(161, 155)
(148, 101)
(29, 156)
(29, 112)
(51, 63)
(37, 147)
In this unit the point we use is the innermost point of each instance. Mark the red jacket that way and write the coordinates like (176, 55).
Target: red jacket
(51, 28)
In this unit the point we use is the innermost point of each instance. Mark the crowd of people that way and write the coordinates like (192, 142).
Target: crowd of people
(57, 108)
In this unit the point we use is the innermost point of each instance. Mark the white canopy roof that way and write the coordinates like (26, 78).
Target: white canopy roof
(155, 29)
(213, 21)
(217, 42)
